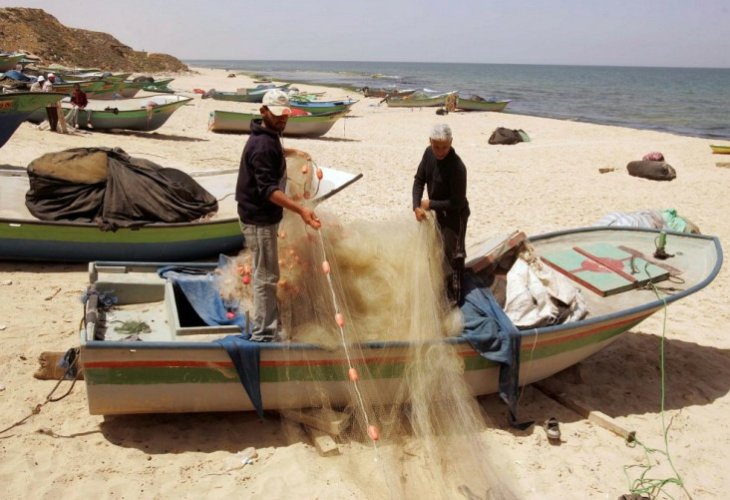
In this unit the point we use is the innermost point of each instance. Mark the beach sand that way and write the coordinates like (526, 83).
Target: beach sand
(550, 183)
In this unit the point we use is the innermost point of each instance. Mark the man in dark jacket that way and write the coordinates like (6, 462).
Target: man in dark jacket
(443, 174)
(260, 193)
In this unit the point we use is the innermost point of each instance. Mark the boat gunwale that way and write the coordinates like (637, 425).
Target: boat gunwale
(648, 307)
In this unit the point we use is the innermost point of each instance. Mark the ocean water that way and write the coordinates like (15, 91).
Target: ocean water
(686, 101)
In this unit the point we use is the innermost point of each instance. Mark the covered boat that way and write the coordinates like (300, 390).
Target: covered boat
(16, 107)
(255, 94)
(321, 107)
(177, 365)
(296, 126)
(143, 113)
(24, 236)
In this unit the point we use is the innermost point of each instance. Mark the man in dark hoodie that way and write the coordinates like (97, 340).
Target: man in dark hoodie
(260, 193)
(443, 173)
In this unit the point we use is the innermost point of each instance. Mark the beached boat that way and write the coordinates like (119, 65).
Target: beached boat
(8, 61)
(130, 88)
(142, 113)
(296, 126)
(255, 94)
(16, 107)
(23, 237)
(480, 104)
(720, 150)
(321, 107)
(386, 92)
(418, 100)
(176, 366)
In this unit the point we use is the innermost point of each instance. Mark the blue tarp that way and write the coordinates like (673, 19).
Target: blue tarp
(201, 290)
(492, 334)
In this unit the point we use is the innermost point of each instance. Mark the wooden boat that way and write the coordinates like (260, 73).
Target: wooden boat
(386, 92)
(23, 237)
(8, 61)
(297, 126)
(255, 94)
(143, 113)
(16, 107)
(418, 100)
(322, 107)
(720, 150)
(131, 88)
(178, 368)
(481, 105)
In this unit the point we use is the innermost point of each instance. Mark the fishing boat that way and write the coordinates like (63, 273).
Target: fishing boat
(8, 61)
(720, 150)
(24, 237)
(255, 94)
(131, 88)
(478, 104)
(321, 107)
(418, 100)
(143, 113)
(386, 92)
(296, 126)
(16, 107)
(177, 367)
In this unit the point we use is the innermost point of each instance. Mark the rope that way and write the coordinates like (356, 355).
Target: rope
(643, 484)
(49, 398)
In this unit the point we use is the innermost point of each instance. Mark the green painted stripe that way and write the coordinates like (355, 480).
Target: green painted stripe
(92, 234)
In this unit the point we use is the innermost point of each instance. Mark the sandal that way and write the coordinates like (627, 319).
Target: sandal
(552, 428)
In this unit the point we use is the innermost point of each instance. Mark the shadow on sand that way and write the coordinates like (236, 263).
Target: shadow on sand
(153, 135)
(625, 379)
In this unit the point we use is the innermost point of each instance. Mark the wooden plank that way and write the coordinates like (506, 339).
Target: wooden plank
(324, 443)
(672, 270)
(597, 417)
(329, 421)
(624, 263)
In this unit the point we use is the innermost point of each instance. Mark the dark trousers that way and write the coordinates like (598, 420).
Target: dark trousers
(52, 112)
(453, 235)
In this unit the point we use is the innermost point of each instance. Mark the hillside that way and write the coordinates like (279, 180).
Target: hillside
(37, 32)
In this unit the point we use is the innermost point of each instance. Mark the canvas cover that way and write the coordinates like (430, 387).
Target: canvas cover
(112, 189)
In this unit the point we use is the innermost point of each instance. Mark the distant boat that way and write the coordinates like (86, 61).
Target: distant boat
(321, 107)
(130, 88)
(720, 150)
(16, 107)
(142, 113)
(386, 92)
(297, 126)
(418, 100)
(24, 237)
(177, 367)
(475, 103)
(8, 61)
(255, 94)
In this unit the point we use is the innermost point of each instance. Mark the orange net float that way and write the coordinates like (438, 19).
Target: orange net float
(353, 375)
(340, 320)
(246, 279)
(320, 174)
(373, 432)
(325, 267)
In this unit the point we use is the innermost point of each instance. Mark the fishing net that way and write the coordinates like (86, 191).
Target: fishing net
(367, 299)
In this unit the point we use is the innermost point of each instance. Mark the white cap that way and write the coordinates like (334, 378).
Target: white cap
(277, 102)
(41, 79)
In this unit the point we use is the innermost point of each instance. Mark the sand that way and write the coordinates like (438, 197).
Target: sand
(550, 183)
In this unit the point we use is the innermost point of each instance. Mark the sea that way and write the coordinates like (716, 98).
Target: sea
(686, 101)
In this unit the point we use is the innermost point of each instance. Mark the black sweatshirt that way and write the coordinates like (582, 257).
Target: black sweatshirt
(446, 183)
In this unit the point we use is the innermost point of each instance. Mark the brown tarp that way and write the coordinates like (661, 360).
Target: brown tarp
(71, 186)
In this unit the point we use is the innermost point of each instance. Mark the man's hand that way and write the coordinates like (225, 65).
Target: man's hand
(309, 218)
(420, 214)
(426, 204)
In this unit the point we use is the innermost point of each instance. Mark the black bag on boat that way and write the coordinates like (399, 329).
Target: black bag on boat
(130, 192)
(505, 136)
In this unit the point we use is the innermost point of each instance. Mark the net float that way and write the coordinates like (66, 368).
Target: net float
(325, 267)
(320, 174)
(373, 432)
(307, 195)
(305, 169)
(282, 235)
(353, 375)
(230, 315)
(340, 320)
(246, 279)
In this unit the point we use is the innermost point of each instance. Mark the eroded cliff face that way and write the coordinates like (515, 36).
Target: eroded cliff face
(37, 32)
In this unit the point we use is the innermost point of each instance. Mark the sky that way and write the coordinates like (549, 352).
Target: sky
(673, 33)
